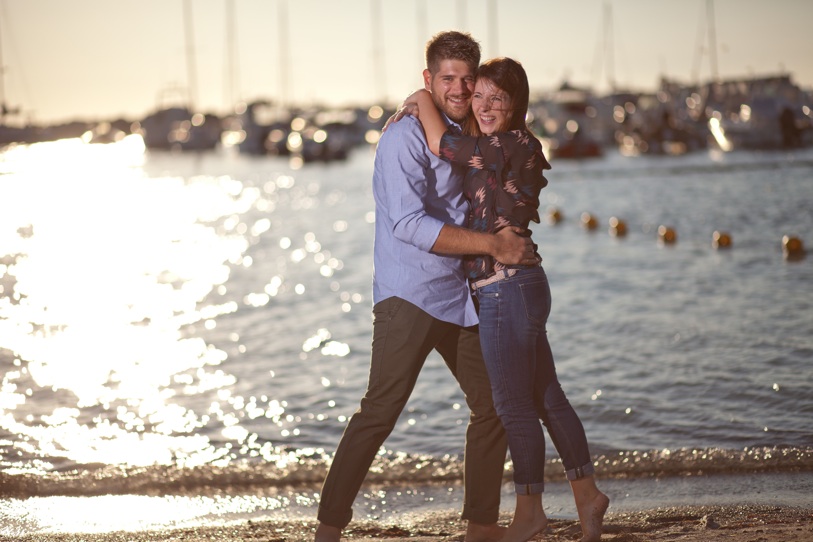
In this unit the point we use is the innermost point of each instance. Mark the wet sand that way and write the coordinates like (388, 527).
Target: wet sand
(684, 524)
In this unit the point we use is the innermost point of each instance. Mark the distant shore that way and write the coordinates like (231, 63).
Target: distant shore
(681, 524)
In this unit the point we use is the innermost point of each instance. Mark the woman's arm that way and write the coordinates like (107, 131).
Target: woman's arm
(419, 104)
(433, 125)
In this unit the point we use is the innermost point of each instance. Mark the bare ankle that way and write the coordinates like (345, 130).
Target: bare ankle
(592, 517)
(484, 532)
(525, 527)
(327, 533)
(529, 519)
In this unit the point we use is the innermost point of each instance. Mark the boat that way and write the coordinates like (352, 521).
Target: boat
(758, 113)
(179, 129)
(568, 123)
(258, 127)
(661, 123)
(181, 126)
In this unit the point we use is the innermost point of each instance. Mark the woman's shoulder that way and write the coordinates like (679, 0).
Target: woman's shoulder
(523, 137)
(527, 148)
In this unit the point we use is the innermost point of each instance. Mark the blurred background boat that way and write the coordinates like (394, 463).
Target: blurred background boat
(757, 113)
(568, 122)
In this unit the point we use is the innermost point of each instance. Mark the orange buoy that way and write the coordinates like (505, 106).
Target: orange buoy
(720, 240)
(589, 221)
(618, 228)
(554, 215)
(792, 248)
(666, 235)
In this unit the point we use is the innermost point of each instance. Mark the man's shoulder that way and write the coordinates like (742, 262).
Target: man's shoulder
(403, 142)
(408, 128)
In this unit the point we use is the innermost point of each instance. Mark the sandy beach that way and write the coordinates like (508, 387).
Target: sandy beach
(684, 524)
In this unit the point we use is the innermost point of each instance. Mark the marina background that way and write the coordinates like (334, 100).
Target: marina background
(92, 60)
(185, 284)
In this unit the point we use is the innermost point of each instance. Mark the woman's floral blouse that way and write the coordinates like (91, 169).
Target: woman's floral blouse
(502, 183)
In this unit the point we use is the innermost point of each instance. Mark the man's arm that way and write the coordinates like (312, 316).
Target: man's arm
(505, 246)
(403, 199)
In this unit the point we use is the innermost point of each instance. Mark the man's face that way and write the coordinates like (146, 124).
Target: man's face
(451, 88)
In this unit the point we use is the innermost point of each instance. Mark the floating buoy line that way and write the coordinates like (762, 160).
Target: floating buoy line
(792, 246)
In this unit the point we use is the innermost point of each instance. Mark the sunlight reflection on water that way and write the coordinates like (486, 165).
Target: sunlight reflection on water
(112, 266)
(132, 512)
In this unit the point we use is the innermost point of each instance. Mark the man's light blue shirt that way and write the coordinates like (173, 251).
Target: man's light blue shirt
(416, 193)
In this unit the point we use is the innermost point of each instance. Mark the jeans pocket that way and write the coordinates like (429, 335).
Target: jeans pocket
(535, 297)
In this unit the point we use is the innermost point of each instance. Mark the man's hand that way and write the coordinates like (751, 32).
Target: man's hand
(513, 249)
(506, 246)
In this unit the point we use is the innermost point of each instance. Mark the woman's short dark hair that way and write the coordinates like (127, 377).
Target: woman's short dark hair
(452, 45)
(509, 76)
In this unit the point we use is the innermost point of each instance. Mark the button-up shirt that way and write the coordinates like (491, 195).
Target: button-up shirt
(416, 193)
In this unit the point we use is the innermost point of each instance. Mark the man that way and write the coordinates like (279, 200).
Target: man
(422, 302)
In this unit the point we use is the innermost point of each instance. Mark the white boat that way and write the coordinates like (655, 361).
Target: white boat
(758, 113)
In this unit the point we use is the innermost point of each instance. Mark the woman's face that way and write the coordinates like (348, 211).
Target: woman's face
(491, 107)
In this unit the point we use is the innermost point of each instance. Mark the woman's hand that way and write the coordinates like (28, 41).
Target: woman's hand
(407, 108)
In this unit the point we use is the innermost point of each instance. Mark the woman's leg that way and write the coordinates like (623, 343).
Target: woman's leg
(591, 505)
(567, 433)
(529, 519)
(508, 343)
(509, 339)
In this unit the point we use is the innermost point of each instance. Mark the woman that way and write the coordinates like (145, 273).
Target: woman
(505, 174)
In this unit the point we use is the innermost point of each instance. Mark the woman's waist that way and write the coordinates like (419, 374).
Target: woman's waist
(482, 278)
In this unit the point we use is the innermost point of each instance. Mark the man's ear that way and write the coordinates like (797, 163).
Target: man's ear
(427, 80)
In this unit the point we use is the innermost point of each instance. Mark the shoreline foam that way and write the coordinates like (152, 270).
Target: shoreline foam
(274, 514)
(683, 524)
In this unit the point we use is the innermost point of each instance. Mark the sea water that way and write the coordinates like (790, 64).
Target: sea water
(186, 335)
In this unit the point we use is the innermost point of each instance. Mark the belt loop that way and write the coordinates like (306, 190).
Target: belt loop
(502, 274)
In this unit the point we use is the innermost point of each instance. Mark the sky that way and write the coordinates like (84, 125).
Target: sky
(68, 60)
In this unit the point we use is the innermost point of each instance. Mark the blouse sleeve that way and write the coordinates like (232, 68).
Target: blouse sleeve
(458, 148)
(522, 175)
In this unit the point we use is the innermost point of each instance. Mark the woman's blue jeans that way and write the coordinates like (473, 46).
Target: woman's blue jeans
(513, 315)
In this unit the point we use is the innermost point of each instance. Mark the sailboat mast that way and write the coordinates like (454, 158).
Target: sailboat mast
(461, 15)
(378, 56)
(492, 28)
(3, 108)
(712, 39)
(422, 24)
(608, 45)
(284, 53)
(192, 82)
(230, 89)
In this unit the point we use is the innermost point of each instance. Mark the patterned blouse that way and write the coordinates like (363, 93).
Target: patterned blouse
(502, 183)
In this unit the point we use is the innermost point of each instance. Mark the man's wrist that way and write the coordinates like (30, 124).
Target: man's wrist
(492, 244)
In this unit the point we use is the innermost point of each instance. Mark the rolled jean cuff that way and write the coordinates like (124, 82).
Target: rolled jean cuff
(580, 472)
(529, 489)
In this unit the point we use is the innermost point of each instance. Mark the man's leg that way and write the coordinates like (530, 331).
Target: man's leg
(403, 336)
(486, 444)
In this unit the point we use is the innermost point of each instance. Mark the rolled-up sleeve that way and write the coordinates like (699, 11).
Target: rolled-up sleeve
(403, 160)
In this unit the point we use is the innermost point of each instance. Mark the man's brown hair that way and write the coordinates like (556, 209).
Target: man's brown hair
(452, 45)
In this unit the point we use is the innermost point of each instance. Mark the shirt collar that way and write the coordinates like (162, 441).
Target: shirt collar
(451, 123)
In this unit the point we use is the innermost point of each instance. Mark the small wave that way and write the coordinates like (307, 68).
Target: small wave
(307, 470)
(691, 462)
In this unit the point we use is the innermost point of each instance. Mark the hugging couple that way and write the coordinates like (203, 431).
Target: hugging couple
(456, 182)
